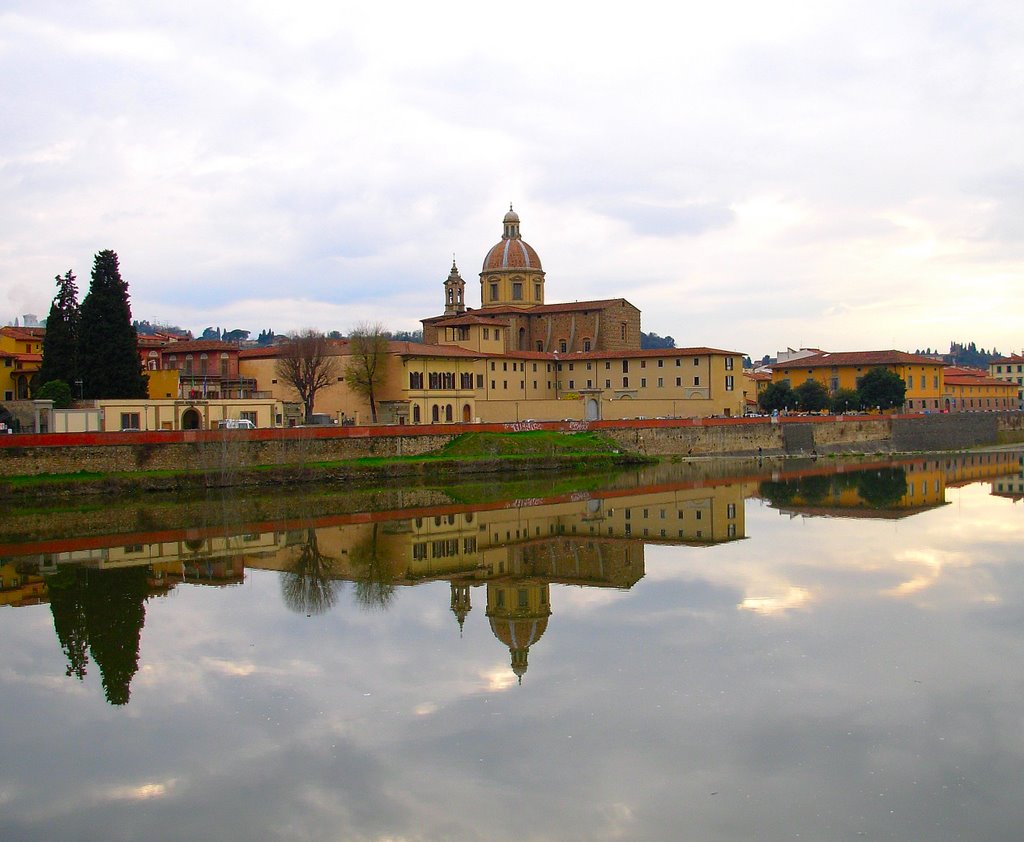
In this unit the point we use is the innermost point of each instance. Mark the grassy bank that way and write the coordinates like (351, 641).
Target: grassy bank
(469, 454)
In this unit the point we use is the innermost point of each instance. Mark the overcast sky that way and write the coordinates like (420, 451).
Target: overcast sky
(752, 176)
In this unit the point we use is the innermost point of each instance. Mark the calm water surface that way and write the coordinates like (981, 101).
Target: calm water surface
(789, 652)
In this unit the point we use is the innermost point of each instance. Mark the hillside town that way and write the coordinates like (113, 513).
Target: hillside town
(517, 356)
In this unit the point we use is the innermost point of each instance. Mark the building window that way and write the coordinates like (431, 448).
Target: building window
(479, 381)
(466, 380)
(497, 333)
(561, 345)
(248, 415)
(487, 333)
(728, 383)
(661, 382)
(643, 382)
(517, 291)
(625, 382)
(696, 360)
(494, 292)
(130, 421)
(696, 381)
(607, 384)
(586, 344)
(572, 384)
(536, 292)
(622, 331)
(679, 381)
(415, 379)
(728, 363)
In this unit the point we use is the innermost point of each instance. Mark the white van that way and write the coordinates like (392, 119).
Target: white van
(236, 424)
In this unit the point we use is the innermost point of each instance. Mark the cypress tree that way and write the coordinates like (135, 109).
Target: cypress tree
(108, 356)
(60, 343)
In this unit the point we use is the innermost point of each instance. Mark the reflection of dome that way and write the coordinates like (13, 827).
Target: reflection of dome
(518, 613)
(512, 252)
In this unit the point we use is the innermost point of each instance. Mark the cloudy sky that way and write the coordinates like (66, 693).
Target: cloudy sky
(750, 175)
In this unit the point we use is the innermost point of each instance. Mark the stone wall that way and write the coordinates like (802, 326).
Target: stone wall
(234, 449)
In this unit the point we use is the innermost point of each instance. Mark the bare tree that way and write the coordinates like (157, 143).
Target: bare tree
(307, 365)
(367, 365)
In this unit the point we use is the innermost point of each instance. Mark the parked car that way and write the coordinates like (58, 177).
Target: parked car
(236, 424)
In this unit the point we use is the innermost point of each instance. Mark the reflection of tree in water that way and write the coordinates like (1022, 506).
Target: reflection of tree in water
(374, 578)
(883, 488)
(102, 610)
(69, 619)
(880, 488)
(309, 586)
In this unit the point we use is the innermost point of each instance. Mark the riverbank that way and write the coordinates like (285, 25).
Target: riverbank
(119, 463)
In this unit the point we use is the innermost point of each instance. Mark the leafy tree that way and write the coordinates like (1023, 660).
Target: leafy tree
(57, 391)
(235, 335)
(882, 388)
(652, 340)
(811, 396)
(108, 356)
(367, 366)
(408, 336)
(776, 396)
(60, 343)
(845, 400)
(307, 364)
(266, 337)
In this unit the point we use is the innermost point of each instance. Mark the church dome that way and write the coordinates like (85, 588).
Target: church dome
(513, 252)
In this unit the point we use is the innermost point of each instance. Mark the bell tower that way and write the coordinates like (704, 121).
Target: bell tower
(454, 292)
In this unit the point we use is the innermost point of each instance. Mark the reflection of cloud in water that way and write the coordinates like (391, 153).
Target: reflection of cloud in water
(425, 709)
(771, 606)
(501, 678)
(141, 792)
(580, 600)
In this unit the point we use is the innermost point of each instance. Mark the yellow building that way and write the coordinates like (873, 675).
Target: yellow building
(972, 390)
(21, 354)
(843, 370)
(1010, 369)
(518, 358)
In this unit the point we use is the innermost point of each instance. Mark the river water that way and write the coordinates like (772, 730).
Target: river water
(786, 650)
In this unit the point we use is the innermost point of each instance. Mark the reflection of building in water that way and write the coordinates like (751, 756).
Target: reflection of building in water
(1011, 485)
(516, 552)
(893, 490)
(19, 588)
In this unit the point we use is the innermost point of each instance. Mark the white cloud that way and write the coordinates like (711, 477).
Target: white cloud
(750, 176)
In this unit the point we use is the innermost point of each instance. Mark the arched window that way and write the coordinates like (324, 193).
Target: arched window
(435, 414)
(448, 413)
(416, 414)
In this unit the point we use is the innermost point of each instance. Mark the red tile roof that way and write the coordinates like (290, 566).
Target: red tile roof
(856, 358)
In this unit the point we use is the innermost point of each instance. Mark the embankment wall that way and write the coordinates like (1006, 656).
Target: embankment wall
(223, 450)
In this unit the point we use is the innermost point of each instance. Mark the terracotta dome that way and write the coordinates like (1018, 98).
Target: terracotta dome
(513, 252)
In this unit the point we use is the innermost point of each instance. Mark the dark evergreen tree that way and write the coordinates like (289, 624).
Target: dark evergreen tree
(108, 356)
(60, 343)
(811, 396)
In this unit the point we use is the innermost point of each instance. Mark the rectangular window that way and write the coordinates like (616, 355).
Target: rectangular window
(661, 382)
(730, 510)
(130, 421)
(536, 292)
(479, 381)
(696, 380)
(728, 383)
(415, 379)
(487, 333)
(572, 384)
(494, 294)
(643, 382)
(517, 291)
(497, 333)
(434, 380)
(728, 363)
(643, 363)
(696, 360)
(625, 382)
(247, 415)
(466, 380)
(679, 381)
(622, 331)
(607, 384)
